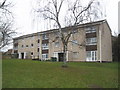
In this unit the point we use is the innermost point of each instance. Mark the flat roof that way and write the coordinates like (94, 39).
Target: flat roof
(51, 30)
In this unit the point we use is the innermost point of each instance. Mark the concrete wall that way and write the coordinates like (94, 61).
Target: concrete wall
(106, 43)
(105, 53)
(79, 37)
(28, 41)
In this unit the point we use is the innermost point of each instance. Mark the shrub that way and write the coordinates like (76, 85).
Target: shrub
(54, 59)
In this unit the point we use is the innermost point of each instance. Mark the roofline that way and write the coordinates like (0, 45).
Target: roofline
(78, 26)
(108, 27)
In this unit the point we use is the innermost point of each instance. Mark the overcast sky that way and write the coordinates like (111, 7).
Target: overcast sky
(24, 17)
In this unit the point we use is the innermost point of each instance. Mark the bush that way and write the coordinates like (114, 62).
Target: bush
(14, 56)
(53, 59)
(48, 60)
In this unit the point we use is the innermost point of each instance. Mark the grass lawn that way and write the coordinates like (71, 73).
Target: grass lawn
(37, 74)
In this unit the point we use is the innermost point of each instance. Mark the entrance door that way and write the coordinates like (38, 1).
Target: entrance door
(60, 57)
(22, 55)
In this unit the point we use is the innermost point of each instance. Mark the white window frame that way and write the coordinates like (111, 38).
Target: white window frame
(31, 45)
(55, 54)
(75, 54)
(57, 44)
(91, 41)
(90, 29)
(74, 42)
(45, 56)
(44, 36)
(45, 46)
(92, 56)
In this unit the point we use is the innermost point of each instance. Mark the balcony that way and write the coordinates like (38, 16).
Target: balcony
(90, 30)
(91, 41)
(45, 41)
(44, 37)
(45, 51)
(45, 46)
(91, 48)
(91, 35)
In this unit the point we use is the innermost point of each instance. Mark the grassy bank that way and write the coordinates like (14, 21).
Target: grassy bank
(36, 74)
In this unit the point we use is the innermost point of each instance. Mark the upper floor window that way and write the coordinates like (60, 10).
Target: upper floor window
(38, 41)
(74, 42)
(57, 33)
(75, 54)
(56, 44)
(38, 50)
(26, 45)
(15, 44)
(31, 53)
(15, 51)
(90, 29)
(44, 46)
(91, 41)
(44, 36)
(32, 37)
(22, 46)
(31, 45)
(74, 31)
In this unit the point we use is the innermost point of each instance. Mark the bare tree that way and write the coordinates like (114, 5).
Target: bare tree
(6, 34)
(6, 22)
(76, 14)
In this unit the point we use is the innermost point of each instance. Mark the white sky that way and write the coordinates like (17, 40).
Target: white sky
(24, 20)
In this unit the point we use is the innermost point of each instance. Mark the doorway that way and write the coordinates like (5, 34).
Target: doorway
(22, 55)
(60, 57)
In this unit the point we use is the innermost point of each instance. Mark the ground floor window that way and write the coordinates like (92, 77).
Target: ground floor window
(91, 56)
(55, 54)
(44, 56)
(75, 54)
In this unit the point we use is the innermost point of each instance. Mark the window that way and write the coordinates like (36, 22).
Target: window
(44, 46)
(74, 42)
(31, 45)
(32, 37)
(56, 44)
(38, 40)
(15, 51)
(44, 56)
(91, 56)
(91, 41)
(44, 36)
(16, 45)
(55, 54)
(31, 53)
(22, 45)
(38, 50)
(90, 30)
(57, 33)
(74, 31)
(75, 54)
(26, 45)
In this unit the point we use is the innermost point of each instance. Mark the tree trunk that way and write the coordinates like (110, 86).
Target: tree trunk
(64, 55)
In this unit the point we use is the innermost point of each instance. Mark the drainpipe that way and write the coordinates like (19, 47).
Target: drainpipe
(67, 56)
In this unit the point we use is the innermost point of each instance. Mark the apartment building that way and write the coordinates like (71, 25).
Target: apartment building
(88, 42)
